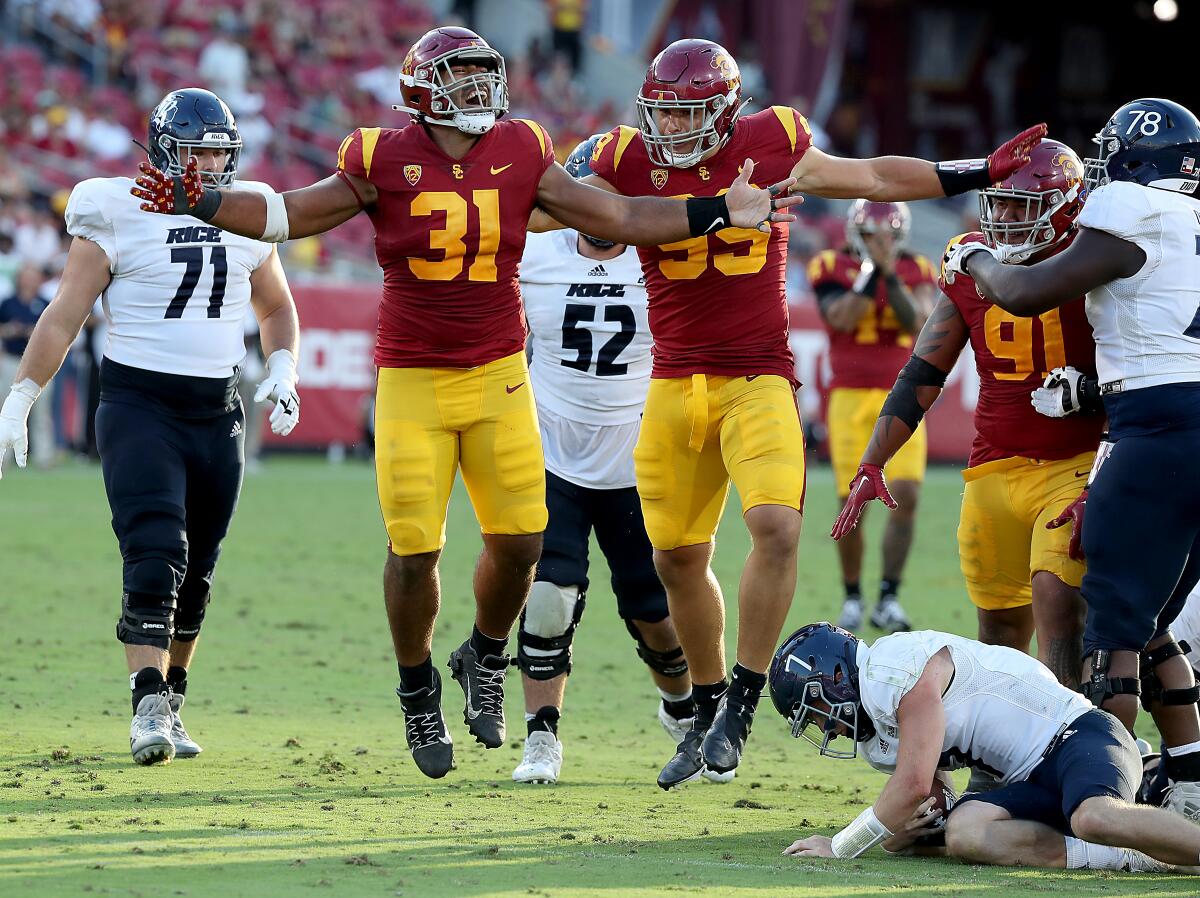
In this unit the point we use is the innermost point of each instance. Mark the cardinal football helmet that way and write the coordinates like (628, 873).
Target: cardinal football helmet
(696, 77)
(1049, 191)
(866, 217)
(1152, 142)
(433, 94)
(814, 684)
(191, 119)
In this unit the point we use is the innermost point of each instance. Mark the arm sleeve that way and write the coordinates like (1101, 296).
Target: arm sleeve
(85, 217)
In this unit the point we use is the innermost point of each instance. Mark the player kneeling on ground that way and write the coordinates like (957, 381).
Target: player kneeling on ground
(590, 370)
(170, 425)
(926, 702)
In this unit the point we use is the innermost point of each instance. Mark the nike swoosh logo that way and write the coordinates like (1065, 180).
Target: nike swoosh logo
(1081, 473)
(751, 376)
(508, 389)
(717, 223)
(496, 171)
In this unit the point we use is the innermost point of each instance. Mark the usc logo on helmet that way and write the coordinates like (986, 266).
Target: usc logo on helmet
(1069, 169)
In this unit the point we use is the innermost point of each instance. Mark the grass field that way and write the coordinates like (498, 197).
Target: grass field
(306, 787)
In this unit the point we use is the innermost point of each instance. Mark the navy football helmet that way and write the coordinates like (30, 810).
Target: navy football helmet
(1149, 141)
(191, 119)
(579, 165)
(814, 684)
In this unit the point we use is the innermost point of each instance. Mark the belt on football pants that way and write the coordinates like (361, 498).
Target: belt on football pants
(699, 413)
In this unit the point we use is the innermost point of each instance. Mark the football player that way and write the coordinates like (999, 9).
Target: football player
(874, 298)
(1137, 260)
(920, 704)
(590, 369)
(721, 404)
(450, 197)
(170, 426)
(1023, 467)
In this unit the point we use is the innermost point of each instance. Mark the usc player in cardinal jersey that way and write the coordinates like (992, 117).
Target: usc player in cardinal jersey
(450, 197)
(1024, 467)
(874, 297)
(722, 403)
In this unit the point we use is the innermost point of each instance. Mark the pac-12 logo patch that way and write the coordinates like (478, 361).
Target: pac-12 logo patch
(412, 173)
(658, 177)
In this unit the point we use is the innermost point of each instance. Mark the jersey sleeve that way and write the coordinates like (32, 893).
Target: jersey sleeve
(86, 218)
(357, 152)
(1121, 209)
(952, 289)
(606, 157)
(926, 273)
(542, 145)
(796, 131)
(823, 271)
(892, 669)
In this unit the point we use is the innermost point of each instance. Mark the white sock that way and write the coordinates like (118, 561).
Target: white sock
(674, 696)
(1176, 751)
(1091, 856)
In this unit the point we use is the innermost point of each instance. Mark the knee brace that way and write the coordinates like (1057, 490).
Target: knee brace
(670, 663)
(190, 615)
(547, 628)
(1100, 687)
(146, 619)
(1152, 687)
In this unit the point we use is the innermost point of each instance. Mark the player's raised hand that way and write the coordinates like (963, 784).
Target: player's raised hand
(1014, 153)
(753, 207)
(813, 846)
(1074, 514)
(169, 195)
(868, 484)
(279, 386)
(14, 414)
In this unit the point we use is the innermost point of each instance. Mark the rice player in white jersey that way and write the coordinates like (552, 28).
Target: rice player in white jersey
(1138, 259)
(920, 704)
(590, 369)
(170, 425)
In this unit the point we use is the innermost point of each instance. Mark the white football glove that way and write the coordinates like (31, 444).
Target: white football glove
(956, 256)
(13, 417)
(279, 387)
(1060, 395)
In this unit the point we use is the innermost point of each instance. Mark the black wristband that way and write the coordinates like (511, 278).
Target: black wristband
(870, 285)
(963, 175)
(1089, 395)
(210, 202)
(707, 214)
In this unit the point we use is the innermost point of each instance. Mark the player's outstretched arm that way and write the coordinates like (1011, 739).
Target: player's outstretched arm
(918, 386)
(892, 178)
(278, 327)
(649, 221)
(274, 217)
(1093, 259)
(83, 279)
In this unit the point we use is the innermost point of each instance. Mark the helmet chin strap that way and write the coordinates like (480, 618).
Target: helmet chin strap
(598, 243)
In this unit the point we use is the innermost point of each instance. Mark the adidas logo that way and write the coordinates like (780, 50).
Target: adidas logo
(598, 272)
(237, 429)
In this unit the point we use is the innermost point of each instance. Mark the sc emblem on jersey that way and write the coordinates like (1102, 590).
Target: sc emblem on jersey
(412, 174)
(457, 171)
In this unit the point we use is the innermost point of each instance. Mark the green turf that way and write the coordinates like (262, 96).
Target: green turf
(305, 786)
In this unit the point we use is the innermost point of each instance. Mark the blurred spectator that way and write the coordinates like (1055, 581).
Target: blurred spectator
(18, 314)
(224, 64)
(10, 264)
(106, 137)
(566, 29)
(36, 236)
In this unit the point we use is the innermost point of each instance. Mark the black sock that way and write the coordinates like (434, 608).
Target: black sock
(545, 720)
(485, 645)
(177, 679)
(889, 588)
(707, 697)
(682, 709)
(852, 590)
(746, 685)
(147, 681)
(419, 676)
(1182, 768)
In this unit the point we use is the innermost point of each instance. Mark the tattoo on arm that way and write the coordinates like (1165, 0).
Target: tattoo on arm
(1062, 657)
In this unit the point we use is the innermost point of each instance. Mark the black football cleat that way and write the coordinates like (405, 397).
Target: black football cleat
(425, 729)
(687, 765)
(725, 739)
(482, 682)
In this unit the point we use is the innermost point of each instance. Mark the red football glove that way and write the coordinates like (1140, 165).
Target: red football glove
(868, 484)
(169, 195)
(1074, 514)
(1012, 154)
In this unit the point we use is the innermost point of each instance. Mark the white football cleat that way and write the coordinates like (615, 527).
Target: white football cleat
(851, 617)
(1138, 862)
(150, 732)
(185, 745)
(543, 759)
(674, 727)
(1184, 799)
(889, 616)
